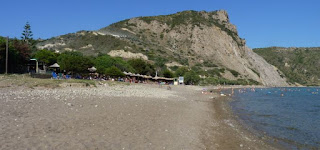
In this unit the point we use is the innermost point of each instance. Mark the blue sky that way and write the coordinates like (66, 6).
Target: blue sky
(289, 23)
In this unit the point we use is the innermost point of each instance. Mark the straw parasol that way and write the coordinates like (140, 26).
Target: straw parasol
(55, 65)
(92, 69)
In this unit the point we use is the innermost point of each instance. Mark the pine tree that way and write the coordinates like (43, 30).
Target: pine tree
(27, 33)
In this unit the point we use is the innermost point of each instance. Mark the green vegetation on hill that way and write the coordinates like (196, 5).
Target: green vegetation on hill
(299, 65)
(183, 18)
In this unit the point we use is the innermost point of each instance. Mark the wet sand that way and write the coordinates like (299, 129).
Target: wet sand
(121, 116)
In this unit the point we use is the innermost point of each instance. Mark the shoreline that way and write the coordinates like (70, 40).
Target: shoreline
(265, 135)
(236, 135)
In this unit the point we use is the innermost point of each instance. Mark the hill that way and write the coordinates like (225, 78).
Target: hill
(205, 40)
(299, 65)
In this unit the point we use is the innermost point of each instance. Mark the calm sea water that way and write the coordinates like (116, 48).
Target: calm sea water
(290, 115)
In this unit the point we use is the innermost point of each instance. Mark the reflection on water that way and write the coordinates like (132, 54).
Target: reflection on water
(289, 114)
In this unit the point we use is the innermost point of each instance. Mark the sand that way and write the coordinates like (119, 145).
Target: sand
(135, 116)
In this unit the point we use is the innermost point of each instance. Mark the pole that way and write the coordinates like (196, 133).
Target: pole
(7, 54)
(37, 68)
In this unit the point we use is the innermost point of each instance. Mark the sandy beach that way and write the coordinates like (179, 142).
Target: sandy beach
(119, 116)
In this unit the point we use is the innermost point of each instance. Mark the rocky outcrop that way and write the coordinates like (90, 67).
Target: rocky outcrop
(124, 54)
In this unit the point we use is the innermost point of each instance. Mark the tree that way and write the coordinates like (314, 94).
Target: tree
(167, 73)
(74, 62)
(191, 78)
(27, 33)
(23, 49)
(142, 67)
(105, 61)
(114, 72)
(181, 71)
(46, 56)
(19, 54)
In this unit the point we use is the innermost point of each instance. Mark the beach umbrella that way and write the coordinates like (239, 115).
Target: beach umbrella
(55, 65)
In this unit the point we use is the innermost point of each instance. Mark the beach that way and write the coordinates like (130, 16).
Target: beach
(119, 116)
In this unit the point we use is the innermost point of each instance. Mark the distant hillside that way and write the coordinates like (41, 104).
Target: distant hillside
(206, 40)
(299, 65)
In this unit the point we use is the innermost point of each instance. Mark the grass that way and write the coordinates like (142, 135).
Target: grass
(27, 81)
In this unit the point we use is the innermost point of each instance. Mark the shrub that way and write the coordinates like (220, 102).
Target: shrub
(74, 62)
(181, 71)
(214, 72)
(105, 61)
(142, 67)
(46, 56)
(209, 64)
(191, 78)
(167, 73)
(114, 72)
(234, 73)
(256, 72)
(174, 68)
(160, 61)
(222, 70)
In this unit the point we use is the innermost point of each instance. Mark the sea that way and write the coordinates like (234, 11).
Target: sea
(290, 116)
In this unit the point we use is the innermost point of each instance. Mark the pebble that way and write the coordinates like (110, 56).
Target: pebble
(69, 104)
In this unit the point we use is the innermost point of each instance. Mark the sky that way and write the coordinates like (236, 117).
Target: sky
(263, 23)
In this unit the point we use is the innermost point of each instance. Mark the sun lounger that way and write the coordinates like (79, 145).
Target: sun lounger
(54, 75)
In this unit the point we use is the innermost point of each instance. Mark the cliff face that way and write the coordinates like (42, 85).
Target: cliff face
(192, 38)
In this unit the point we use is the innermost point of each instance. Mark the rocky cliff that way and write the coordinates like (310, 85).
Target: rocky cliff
(190, 38)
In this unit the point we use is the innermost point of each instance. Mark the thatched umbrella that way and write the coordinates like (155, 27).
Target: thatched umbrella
(55, 65)
(92, 69)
